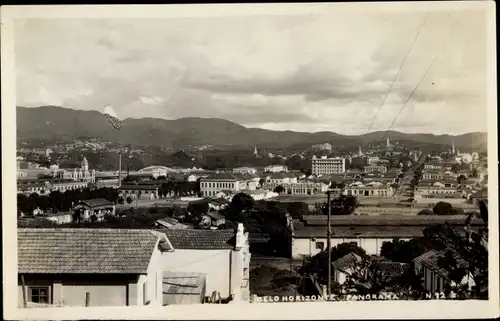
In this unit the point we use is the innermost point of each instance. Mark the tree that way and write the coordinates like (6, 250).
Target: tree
(442, 208)
(279, 189)
(426, 212)
(342, 205)
(129, 200)
(297, 209)
(242, 202)
(121, 200)
(198, 208)
(461, 179)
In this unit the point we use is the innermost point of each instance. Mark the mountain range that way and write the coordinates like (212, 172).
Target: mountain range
(58, 123)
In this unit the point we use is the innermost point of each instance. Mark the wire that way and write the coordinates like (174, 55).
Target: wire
(418, 84)
(397, 74)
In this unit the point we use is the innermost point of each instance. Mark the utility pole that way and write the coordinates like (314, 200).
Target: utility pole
(120, 169)
(328, 193)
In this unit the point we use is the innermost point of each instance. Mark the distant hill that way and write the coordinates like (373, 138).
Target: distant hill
(52, 122)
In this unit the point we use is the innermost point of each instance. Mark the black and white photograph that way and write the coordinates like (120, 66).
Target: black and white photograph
(307, 156)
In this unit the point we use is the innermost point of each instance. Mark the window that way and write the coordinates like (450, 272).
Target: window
(320, 245)
(39, 294)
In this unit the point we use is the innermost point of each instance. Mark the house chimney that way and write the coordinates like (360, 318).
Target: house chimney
(241, 237)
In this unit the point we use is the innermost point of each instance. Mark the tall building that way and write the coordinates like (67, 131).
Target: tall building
(388, 143)
(255, 151)
(82, 174)
(326, 166)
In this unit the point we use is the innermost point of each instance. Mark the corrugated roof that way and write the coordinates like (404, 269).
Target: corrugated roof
(229, 177)
(389, 220)
(79, 250)
(183, 282)
(96, 202)
(360, 231)
(201, 239)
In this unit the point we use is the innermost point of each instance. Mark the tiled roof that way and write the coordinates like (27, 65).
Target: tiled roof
(97, 202)
(392, 268)
(346, 261)
(79, 250)
(431, 260)
(201, 239)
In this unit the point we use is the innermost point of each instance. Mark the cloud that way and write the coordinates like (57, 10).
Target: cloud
(304, 73)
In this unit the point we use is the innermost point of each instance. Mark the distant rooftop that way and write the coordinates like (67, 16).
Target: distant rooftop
(201, 239)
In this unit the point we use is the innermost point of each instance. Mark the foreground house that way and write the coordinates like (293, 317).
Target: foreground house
(90, 267)
(98, 208)
(436, 277)
(222, 255)
(344, 266)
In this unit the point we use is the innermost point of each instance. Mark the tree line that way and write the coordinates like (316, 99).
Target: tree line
(56, 201)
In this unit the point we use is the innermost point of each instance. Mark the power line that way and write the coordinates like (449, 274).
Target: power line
(418, 84)
(397, 74)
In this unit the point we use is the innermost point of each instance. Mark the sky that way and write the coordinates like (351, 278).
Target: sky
(311, 73)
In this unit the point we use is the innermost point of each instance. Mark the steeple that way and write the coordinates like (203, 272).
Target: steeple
(255, 151)
(85, 164)
(388, 144)
(453, 147)
(360, 153)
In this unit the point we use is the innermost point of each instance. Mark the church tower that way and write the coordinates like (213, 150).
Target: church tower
(388, 143)
(453, 147)
(255, 151)
(85, 165)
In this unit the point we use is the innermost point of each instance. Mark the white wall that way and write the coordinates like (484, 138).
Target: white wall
(214, 263)
(153, 280)
(304, 246)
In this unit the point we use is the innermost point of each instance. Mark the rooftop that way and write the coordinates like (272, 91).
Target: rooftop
(346, 261)
(431, 260)
(81, 250)
(201, 239)
(388, 220)
(96, 202)
(139, 187)
(228, 177)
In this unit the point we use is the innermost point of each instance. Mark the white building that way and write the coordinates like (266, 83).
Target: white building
(276, 169)
(144, 192)
(222, 257)
(375, 168)
(82, 174)
(302, 187)
(373, 160)
(435, 277)
(325, 165)
(157, 170)
(281, 178)
(324, 146)
(369, 232)
(44, 187)
(371, 189)
(232, 183)
(244, 170)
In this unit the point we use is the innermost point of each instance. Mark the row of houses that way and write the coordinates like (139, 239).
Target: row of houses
(120, 267)
(369, 232)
